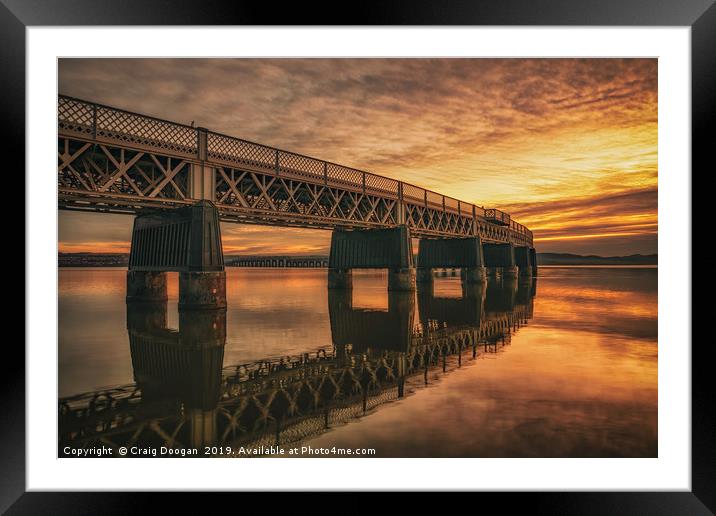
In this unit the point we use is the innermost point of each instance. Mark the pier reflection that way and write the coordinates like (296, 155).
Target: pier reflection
(364, 329)
(182, 367)
(439, 312)
(185, 397)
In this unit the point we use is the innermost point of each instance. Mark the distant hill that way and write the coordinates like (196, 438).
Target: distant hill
(577, 259)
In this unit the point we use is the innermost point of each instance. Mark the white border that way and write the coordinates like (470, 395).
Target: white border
(670, 471)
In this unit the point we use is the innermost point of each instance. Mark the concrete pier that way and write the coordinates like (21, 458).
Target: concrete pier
(500, 260)
(463, 253)
(185, 240)
(523, 260)
(372, 249)
(149, 286)
(202, 290)
(533, 259)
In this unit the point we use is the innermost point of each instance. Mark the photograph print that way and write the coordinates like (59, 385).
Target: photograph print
(312, 257)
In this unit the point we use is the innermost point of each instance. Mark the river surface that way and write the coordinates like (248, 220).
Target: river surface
(561, 366)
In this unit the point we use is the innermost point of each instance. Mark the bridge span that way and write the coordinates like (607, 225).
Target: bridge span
(180, 181)
(278, 261)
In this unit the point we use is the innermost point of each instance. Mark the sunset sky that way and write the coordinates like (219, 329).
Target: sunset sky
(567, 146)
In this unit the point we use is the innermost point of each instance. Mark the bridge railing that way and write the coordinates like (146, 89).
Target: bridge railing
(107, 124)
(113, 125)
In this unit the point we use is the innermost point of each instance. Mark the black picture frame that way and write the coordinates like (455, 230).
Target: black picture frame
(700, 15)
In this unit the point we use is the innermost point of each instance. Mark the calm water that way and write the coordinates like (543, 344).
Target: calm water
(564, 366)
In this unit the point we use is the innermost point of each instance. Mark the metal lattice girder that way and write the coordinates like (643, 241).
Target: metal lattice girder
(113, 160)
(102, 177)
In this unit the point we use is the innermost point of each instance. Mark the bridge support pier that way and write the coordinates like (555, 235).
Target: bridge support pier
(500, 260)
(185, 240)
(533, 260)
(372, 249)
(146, 286)
(523, 260)
(463, 253)
(202, 290)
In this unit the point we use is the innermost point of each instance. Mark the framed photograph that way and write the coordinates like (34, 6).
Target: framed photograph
(437, 249)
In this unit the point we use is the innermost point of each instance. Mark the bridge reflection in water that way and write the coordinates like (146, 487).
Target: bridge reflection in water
(184, 397)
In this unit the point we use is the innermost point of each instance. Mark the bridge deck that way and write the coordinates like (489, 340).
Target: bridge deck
(111, 160)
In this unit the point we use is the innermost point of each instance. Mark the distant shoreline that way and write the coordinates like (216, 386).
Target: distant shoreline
(547, 259)
(560, 266)
(114, 260)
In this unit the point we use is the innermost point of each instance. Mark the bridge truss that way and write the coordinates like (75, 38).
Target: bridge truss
(110, 160)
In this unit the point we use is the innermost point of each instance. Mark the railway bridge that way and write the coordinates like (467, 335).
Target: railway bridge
(180, 181)
(278, 261)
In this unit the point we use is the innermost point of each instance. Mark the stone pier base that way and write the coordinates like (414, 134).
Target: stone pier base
(500, 260)
(146, 286)
(473, 274)
(340, 278)
(401, 279)
(526, 272)
(202, 290)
